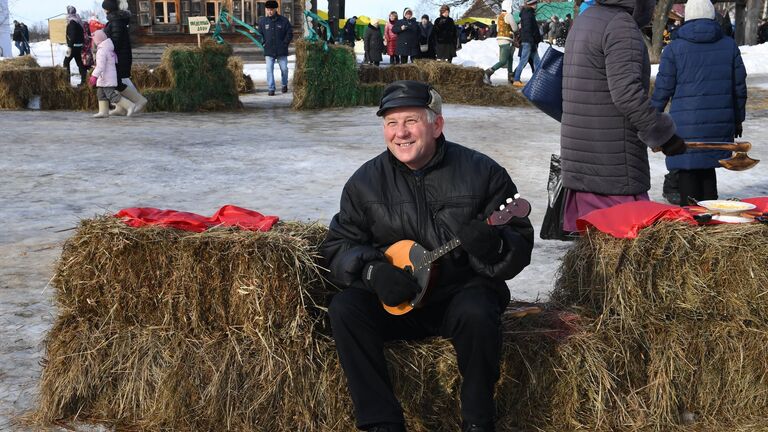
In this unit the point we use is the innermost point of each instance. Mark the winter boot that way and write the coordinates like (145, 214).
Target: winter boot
(285, 89)
(103, 109)
(127, 106)
(487, 75)
(134, 96)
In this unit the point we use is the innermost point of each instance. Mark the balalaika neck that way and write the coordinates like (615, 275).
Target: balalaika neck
(434, 255)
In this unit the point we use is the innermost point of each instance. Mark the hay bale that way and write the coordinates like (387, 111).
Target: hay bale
(19, 84)
(145, 78)
(243, 82)
(670, 272)
(409, 71)
(369, 74)
(324, 79)
(21, 62)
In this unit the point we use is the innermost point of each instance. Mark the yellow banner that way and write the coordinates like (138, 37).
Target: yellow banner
(57, 30)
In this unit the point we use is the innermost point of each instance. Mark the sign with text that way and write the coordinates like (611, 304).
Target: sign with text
(198, 25)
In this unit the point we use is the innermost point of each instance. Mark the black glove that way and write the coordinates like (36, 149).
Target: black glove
(738, 131)
(391, 284)
(481, 240)
(674, 146)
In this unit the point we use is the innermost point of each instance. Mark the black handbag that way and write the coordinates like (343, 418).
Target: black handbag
(545, 89)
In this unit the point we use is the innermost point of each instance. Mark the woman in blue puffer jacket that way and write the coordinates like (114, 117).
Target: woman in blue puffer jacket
(702, 72)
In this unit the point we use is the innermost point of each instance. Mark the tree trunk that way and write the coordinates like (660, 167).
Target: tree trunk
(659, 23)
(754, 8)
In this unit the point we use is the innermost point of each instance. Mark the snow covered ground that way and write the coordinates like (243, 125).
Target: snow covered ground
(60, 167)
(483, 54)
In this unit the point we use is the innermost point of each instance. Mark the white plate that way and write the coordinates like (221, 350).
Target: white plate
(731, 219)
(724, 206)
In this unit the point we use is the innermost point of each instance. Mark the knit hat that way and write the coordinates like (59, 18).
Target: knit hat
(71, 10)
(425, 16)
(506, 5)
(699, 9)
(406, 10)
(531, 2)
(271, 4)
(110, 5)
(375, 22)
(99, 36)
(410, 94)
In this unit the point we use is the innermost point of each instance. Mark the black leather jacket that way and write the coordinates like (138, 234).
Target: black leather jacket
(385, 201)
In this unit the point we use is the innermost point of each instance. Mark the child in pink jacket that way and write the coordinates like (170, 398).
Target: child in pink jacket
(104, 77)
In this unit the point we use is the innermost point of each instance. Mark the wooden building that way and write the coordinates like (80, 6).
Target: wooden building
(165, 21)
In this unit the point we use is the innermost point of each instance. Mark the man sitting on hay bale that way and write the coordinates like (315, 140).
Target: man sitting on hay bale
(433, 191)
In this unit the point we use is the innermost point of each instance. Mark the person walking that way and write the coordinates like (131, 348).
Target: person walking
(105, 79)
(118, 29)
(529, 40)
(608, 121)
(407, 30)
(427, 188)
(18, 37)
(349, 33)
(277, 34)
(373, 43)
(554, 28)
(75, 42)
(390, 38)
(446, 37)
(507, 26)
(706, 107)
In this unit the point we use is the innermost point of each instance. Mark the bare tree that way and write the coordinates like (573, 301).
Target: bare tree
(659, 23)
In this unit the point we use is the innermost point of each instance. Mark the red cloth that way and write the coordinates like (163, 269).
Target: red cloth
(228, 215)
(626, 220)
(760, 202)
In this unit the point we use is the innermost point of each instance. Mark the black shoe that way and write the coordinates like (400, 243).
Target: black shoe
(271, 93)
(285, 89)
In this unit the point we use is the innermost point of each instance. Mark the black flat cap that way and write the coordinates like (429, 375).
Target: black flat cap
(271, 4)
(110, 5)
(408, 93)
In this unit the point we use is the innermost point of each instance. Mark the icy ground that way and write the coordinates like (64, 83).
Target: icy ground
(60, 167)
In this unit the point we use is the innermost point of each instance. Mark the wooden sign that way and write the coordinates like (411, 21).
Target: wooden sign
(57, 30)
(198, 25)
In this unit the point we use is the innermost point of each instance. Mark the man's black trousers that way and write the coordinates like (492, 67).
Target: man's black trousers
(471, 319)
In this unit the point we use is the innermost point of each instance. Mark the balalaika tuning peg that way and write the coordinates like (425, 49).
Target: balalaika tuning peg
(501, 207)
(509, 200)
(517, 195)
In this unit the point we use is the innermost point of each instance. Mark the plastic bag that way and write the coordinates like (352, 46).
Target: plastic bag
(552, 225)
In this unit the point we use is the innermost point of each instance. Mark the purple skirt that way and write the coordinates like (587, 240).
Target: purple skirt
(578, 204)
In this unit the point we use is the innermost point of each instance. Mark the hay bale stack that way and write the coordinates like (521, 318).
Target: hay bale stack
(671, 272)
(22, 79)
(328, 79)
(690, 304)
(145, 78)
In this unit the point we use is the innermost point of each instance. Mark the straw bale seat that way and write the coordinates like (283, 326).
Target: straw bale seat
(226, 329)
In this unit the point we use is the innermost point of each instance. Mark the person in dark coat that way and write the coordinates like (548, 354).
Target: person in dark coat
(373, 42)
(407, 30)
(118, 29)
(446, 37)
(529, 40)
(426, 188)
(762, 32)
(277, 34)
(426, 38)
(706, 107)
(349, 34)
(608, 121)
(492, 31)
(75, 41)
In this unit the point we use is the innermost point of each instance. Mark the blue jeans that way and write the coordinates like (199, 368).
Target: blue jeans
(283, 62)
(525, 52)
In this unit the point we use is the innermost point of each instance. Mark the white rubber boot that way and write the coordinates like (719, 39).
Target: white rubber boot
(133, 94)
(127, 106)
(103, 109)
